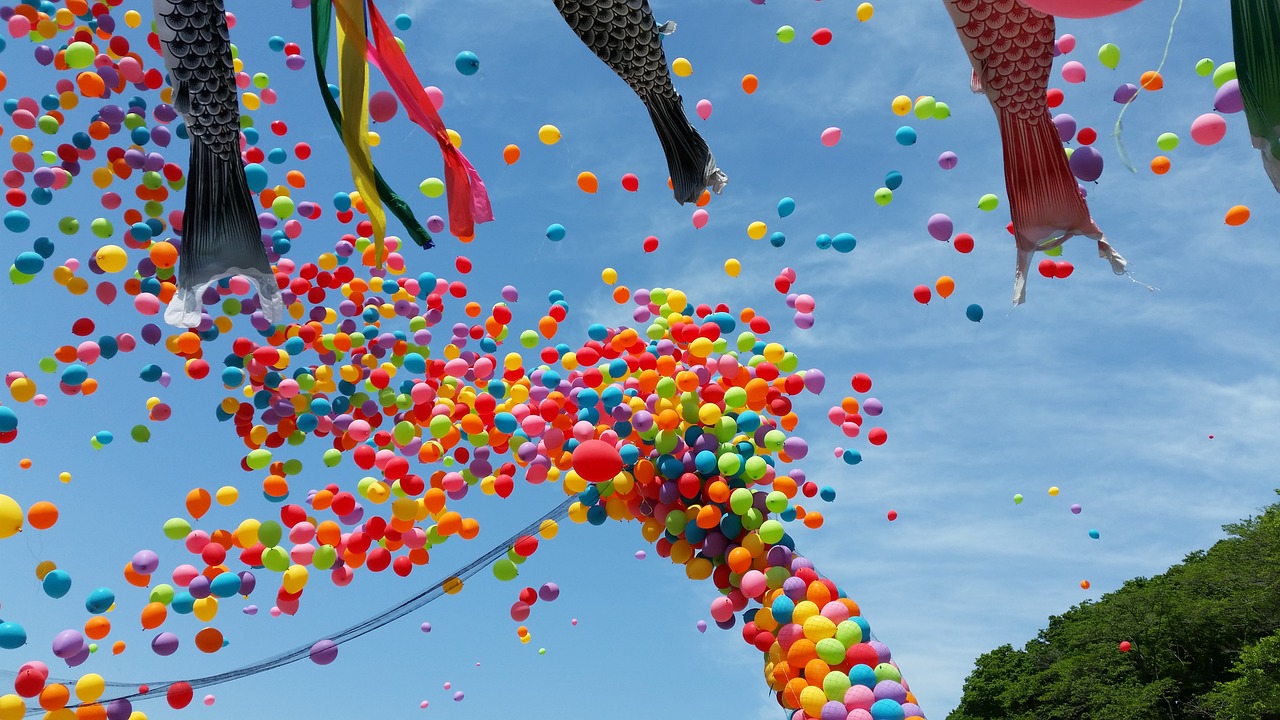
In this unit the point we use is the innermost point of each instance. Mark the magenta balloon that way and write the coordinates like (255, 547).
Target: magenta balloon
(1080, 8)
(940, 227)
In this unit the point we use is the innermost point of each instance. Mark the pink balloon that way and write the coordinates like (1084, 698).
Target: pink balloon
(704, 108)
(700, 218)
(831, 136)
(383, 106)
(1080, 8)
(435, 95)
(1208, 129)
(1073, 72)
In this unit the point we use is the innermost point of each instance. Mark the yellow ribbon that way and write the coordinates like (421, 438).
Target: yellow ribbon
(353, 84)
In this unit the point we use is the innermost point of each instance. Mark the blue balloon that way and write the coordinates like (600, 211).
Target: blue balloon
(467, 62)
(100, 600)
(12, 636)
(258, 178)
(862, 674)
(403, 22)
(974, 312)
(906, 135)
(823, 241)
(786, 206)
(844, 242)
(16, 221)
(555, 232)
(225, 585)
(887, 709)
(276, 43)
(57, 584)
(777, 239)
(8, 420)
(29, 262)
(1095, 534)
(415, 363)
(893, 179)
(851, 457)
(43, 246)
(782, 608)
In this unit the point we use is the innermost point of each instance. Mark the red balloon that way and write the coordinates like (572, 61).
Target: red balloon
(630, 182)
(1125, 646)
(1048, 268)
(28, 683)
(963, 243)
(179, 695)
(923, 294)
(1063, 269)
(596, 461)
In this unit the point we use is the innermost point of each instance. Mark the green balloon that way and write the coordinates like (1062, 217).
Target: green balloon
(269, 533)
(1224, 72)
(505, 570)
(941, 110)
(162, 593)
(786, 34)
(1017, 499)
(988, 202)
(275, 559)
(740, 500)
(176, 528)
(258, 459)
(332, 457)
(1204, 67)
(831, 651)
(883, 196)
(140, 433)
(17, 277)
(849, 633)
(771, 531)
(776, 501)
(1109, 55)
(1167, 141)
(324, 557)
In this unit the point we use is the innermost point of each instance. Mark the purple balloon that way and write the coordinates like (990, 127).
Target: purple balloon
(79, 658)
(1125, 93)
(324, 652)
(250, 610)
(814, 381)
(940, 227)
(882, 650)
(948, 160)
(199, 587)
(1228, 99)
(794, 588)
(247, 582)
(702, 626)
(119, 709)
(67, 643)
(834, 711)
(872, 407)
(145, 562)
(1066, 126)
(795, 447)
(890, 690)
(164, 644)
(1086, 164)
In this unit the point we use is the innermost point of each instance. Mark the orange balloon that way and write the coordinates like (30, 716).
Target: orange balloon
(1151, 80)
(54, 697)
(945, 286)
(209, 640)
(1237, 215)
(154, 615)
(750, 83)
(587, 182)
(511, 154)
(163, 254)
(91, 711)
(1160, 164)
(117, 647)
(97, 627)
(198, 502)
(1084, 584)
(42, 515)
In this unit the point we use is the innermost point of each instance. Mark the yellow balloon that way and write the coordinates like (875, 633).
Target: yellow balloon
(756, 230)
(454, 138)
(227, 495)
(112, 258)
(682, 67)
(609, 276)
(901, 105)
(10, 517)
(206, 608)
(23, 389)
(732, 267)
(90, 687)
(132, 18)
(12, 707)
(549, 134)
(295, 578)
(1053, 491)
(865, 11)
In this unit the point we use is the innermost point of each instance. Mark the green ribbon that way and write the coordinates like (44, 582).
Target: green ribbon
(321, 24)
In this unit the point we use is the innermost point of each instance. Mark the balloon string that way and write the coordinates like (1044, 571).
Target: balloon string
(159, 689)
(1124, 156)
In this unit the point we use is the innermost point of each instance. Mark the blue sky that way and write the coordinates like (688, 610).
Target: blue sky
(1097, 385)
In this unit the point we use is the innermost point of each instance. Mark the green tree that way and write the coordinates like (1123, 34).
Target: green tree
(1255, 693)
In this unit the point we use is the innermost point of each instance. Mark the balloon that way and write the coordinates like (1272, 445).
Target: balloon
(510, 154)
(906, 135)
(587, 182)
(947, 161)
(467, 63)
(1237, 215)
(831, 136)
(923, 294)
(940, 227)
(1125, 646)
(555, 232)
(549, 134)
(974, 312)
(786, 34)
(324, 652)
(703, 108)
(12, 636)
(681, 67)
(1073, 72)
(1208, 129)
(945, 286)
(1109, 55)
(597, 461)
(865, 11)
(1086, 164)
(1228, 98)
(57, 584)
(41, 515)
(1080, 8)
(383, 106)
